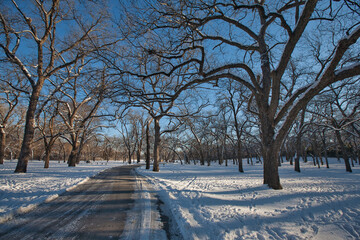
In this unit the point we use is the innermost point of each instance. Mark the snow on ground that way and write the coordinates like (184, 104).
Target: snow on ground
(218, 202)
(20, 193)
(215, 202)
(143, 220)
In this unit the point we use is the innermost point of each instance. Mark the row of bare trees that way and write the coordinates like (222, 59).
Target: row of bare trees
(205, 138)
(263, 46)
(48, 57)
(327, 127)
(71, 115)
(281, 67)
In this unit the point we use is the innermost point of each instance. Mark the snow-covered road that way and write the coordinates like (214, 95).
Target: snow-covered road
(20, 193)
(113, 204)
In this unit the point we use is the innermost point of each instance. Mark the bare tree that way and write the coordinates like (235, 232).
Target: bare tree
(235, 97)
(134, 125)
(338, 109)
(199, 130)
(81, 99)
(140, 132)
(50, 128)
(129, 132)
(299, 130)
(148, 147)
(36, 24)
(155, 94)
(202, 138)
(254, 45)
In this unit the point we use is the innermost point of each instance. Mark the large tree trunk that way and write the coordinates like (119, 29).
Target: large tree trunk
(2, 144)
(202, 157)
(156, 145)
(239, 155)
(48, 150)
(220, 155)
(80, 149)
(25, 153)
(270, 153)
(147, 146)
(271, 167)
(344, 152)
(238, 136)
(138, 150)
(73, 155)
(138, 155)
(129, 156)
(47, 159)
(47, 156)
(78, 154)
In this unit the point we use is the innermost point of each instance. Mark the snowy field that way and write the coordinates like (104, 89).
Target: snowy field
(20, 193)
(217, 202)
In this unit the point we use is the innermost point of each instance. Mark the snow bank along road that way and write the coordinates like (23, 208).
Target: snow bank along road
(95, 209)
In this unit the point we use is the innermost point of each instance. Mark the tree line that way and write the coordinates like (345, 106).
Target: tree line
(193, 80)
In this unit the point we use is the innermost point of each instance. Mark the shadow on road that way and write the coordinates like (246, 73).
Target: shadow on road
(96, 209)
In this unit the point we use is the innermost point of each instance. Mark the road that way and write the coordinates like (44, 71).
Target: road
(100, 208)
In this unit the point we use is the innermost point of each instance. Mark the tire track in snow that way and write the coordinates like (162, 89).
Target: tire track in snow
(144, 221)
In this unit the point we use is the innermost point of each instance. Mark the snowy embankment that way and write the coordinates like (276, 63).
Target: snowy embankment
(20, 193)
(218, 202)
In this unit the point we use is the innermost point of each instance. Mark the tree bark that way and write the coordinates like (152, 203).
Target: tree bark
(304, 155)
(271, 168)
(147, 146)
(238, 136)
(78, 153)
(325, 153)
(289, 156)
(344, 152)
(239, 155)
(129, 155)
(202, 158)
(73, 155)
(298, 153)
(2, 144)
(139, 147)
(47, 156)
(270, 153)
(138, 155)
(156, 145)
(25, 153)
(80, 147)
(48, 150)
(317, 160)
(220, 155)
